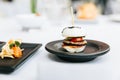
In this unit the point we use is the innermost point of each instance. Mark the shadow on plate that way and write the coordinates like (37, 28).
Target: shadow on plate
(54, 58)
(57, 59)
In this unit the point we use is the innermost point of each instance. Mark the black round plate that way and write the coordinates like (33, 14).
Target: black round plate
(93, 49)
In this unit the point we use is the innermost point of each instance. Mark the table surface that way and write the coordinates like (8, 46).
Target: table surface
(46, 66)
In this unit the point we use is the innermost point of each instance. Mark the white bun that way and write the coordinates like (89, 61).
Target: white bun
(72, 32)
(74, 50)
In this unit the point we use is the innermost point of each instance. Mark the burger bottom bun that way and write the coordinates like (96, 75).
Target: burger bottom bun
(73, 49)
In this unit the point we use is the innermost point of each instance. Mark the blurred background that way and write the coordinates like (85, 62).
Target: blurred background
(13, 7)
(32, 12)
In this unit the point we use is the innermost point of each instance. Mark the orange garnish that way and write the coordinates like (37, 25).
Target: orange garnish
(17, 52)
(37, 14)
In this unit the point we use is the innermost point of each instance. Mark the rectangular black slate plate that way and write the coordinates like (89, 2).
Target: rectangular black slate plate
(8, 65)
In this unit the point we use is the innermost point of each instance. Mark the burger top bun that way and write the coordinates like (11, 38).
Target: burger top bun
(72, 32)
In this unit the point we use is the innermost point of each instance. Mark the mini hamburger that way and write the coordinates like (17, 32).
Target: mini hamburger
(74, 39)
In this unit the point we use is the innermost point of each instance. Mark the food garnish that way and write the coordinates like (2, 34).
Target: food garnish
(11, 49)
(37, 14)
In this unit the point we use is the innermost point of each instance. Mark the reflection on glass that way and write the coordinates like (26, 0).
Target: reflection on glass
(56, 10)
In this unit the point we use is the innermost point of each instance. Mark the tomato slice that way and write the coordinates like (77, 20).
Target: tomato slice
(76, 39)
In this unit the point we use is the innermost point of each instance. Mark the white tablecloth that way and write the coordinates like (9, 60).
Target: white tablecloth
(46, 66)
